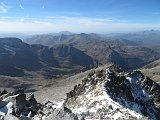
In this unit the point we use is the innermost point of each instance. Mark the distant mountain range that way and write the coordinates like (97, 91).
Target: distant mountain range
(26, 35)
(151, 37)
(65, 52)
(128, 54)
(89, 76)
(17, 57)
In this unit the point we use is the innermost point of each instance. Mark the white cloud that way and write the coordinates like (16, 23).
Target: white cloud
(3, 8)
(74, 24)
(20, 5)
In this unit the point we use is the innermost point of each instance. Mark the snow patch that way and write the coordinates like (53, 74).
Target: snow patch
(137, 91)
(98, 99)
(6, 109)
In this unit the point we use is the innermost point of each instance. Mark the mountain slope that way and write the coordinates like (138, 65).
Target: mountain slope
(16, 57)
(110, 94)
(145, 37)
(152, 70)
(114, 95)
(65, 52)
(64, 56)
(131, 54)
(16, 54)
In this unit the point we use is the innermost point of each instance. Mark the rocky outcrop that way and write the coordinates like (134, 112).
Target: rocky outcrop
(153, 89)
(128, 90)
(110, 94)
(17, 104)
(114, 91)
(62, 114)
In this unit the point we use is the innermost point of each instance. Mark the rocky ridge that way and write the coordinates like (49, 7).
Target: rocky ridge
(17, 105)
(114, 94)
(104, 94)
(17, 58)
(125, 53)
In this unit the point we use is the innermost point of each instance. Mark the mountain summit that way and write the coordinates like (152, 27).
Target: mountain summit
(105, 94)
(113, 94)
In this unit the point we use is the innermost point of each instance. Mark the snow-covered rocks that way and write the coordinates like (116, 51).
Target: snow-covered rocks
(113, 95)
(7, 109)
(109, 94)
(16, 103)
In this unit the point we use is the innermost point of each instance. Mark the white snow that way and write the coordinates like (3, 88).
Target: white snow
(59, 104)
(108, 71)
(99, 99)
(137, 91)
(6, 109)
(10, 98)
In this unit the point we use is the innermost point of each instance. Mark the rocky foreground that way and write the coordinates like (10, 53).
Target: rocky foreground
(106, 94)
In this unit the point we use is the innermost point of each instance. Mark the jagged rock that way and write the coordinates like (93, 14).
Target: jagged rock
(153, 88)
(16, 103)
(18, 91)
(115, 68)
(62, 114)
(20, 103)
(67, 110)
(110, 94)
(134, 93)
(32, 104)
(31, 98)
(130, 90)
(3, 92)
(101, 74)
(91, 74)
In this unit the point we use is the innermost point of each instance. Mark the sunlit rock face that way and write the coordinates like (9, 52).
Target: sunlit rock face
(114, 94)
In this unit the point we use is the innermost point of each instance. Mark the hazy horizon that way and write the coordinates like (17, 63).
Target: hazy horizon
(102, 33)
(89, 16)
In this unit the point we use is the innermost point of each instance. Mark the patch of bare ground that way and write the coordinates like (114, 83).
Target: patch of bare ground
(152, 70)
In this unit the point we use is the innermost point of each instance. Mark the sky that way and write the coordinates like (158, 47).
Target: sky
(98, 16)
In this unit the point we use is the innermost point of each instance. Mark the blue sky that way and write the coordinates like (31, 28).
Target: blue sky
(101, 16)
